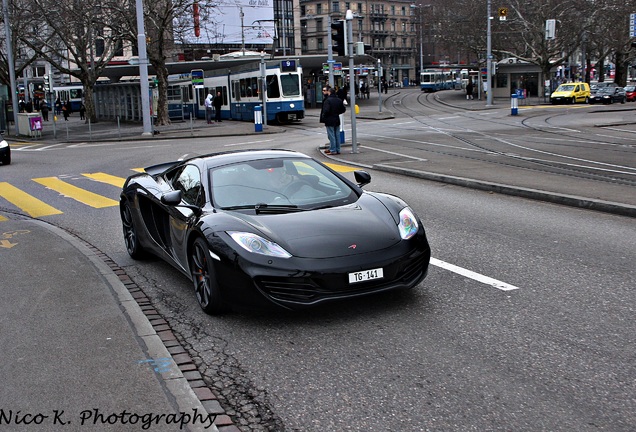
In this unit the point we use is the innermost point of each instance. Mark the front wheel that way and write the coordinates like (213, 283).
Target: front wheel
(206, 286)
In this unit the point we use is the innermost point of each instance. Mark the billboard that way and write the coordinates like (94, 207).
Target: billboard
(227, 22)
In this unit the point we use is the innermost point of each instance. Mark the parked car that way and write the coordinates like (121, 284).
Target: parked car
(5, 150)
(594, 87)
(571, 93)
(630, 93)
(272, 227)
(608, 95)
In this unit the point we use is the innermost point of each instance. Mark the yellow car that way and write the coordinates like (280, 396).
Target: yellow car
(571, 93)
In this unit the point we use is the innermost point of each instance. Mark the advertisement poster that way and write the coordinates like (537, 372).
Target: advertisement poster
(228, 22)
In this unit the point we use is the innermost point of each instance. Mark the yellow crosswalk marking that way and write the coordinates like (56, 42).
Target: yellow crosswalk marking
(107, 178)
(341, 168)
(78, 194)
(31, 205)
(2, 218)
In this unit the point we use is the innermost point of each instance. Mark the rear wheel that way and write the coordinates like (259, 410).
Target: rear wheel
(135, 250)
(206, 286)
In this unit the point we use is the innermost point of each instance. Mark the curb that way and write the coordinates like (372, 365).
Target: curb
(154, 334)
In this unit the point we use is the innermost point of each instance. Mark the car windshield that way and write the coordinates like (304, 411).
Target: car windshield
(630, 88)
(606, 90)
(282, 182)
(566, 87)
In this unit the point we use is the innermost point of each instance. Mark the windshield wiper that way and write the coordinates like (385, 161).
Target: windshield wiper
(266, 208)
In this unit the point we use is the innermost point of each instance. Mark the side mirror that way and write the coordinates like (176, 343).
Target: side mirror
(362, 178)
(174, 199)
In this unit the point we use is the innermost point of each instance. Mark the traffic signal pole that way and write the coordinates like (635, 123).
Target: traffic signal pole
(352, 81)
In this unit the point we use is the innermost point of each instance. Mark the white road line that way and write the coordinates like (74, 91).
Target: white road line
(472, 275)
(248, 142)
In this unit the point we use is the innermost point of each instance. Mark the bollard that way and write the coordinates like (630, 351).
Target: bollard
(514, 104)
(258, 118)
(342, 135)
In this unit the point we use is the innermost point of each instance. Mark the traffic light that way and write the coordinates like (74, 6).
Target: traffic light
(503, 13)
(47, 86)
(339, 37)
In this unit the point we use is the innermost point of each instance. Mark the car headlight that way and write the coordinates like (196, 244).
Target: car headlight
(257, 244)
(408, 224)
(4, 144)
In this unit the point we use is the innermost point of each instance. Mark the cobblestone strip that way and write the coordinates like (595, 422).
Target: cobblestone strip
(184, 361)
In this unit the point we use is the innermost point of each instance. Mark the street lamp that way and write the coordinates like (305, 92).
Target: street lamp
(419, 7)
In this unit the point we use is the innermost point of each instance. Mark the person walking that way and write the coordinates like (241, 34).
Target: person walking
(82, 111)
(58, 106)
(332, 107)
(44, 109)
(469, 89)
(66, 110)
(208, 108)
(218, 103)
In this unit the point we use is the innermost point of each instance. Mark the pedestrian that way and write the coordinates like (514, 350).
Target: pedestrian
(342, 93)
(469, 89)
(21, 106)
(82, 111)
(44, 109)
(58, 106)
(69, 107)
(208, 108)
(218, 103)
(332, 107)
(65, 110)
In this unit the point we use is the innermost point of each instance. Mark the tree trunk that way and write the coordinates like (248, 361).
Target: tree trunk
(622, 65)
(162, 103)
(89, 102)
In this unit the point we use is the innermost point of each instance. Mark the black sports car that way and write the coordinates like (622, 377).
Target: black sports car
(272, 227)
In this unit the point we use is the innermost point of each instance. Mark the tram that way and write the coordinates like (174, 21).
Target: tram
(73, 93)
(433, 80)
(240, 89)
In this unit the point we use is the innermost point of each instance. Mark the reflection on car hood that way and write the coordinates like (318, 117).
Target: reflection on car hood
(332, 232)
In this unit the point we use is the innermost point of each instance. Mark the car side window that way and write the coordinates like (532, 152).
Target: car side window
(576, 88)
(189, 183)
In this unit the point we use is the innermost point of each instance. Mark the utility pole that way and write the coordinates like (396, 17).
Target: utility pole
(489, 60)
(143, 69)
(14, 93)
(352, 81)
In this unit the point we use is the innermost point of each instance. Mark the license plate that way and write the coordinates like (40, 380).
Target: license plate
(366, 275)
(291, 116)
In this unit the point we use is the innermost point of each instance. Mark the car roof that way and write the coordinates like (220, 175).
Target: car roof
(227, 158)
(233, 156)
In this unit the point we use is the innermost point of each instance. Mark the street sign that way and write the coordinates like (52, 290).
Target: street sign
(197, 78)
(337, 69)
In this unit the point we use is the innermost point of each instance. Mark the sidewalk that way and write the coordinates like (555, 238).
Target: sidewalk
(81, 348)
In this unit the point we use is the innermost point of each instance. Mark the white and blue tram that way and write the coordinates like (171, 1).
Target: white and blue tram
(436, 79)
(240, 90)
(239, 87)
(73, 93)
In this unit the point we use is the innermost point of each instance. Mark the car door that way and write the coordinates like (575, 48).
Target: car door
(181, 219)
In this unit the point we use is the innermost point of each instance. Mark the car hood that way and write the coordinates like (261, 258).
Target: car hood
(353, 229)
(562, 93)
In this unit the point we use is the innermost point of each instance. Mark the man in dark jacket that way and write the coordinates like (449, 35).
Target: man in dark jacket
(332, 107)
(218, 104)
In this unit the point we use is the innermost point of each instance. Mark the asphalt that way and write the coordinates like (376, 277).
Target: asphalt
(82, 347)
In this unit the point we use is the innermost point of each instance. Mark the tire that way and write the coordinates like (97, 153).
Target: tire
(6, 160)
(134, 249)
(206, 287)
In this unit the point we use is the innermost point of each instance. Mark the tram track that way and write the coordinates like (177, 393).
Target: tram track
(551, 162)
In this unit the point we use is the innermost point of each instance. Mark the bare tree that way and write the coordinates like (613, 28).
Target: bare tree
(23, 57)
(164, 21)
(76, 37)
